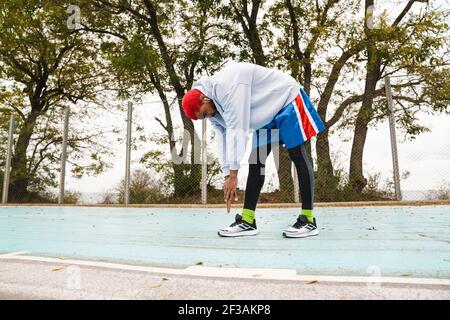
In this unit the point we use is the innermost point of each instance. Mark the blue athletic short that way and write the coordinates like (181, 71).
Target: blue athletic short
(297, 122)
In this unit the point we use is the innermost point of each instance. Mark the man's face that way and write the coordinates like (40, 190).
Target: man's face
(207, 109)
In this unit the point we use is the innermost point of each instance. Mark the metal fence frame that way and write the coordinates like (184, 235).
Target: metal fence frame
(204, 195)
(8, 159)
(393, 135)
(62, 174)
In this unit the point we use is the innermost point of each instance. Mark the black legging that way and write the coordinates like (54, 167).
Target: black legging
(256, 175)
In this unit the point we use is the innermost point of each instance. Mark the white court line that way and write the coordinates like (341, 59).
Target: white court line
(246, 273)
(10, 254)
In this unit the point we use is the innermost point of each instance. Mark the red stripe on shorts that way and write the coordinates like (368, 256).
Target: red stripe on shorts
(306, 124)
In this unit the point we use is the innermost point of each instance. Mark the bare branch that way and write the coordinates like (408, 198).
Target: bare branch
(162, 124)
(405, 11)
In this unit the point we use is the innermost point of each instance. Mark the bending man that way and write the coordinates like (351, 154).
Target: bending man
(244, 97)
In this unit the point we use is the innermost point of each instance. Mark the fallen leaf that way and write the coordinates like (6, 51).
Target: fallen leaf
(164, 279)
(199, 263)
(166, 293)
(312, 282)
(155, 285)
(423, 235)
(57, 269)
(61, 258)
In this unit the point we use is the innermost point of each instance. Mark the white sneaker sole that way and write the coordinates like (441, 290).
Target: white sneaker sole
(238, 234)
(300, 235)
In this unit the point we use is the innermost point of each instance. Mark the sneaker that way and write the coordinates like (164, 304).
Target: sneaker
(239, 228)
(302, 228)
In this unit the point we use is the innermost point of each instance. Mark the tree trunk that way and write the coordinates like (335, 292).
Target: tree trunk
(192, 185)
(195, 176)
(181, 181)
(324, 184)
(357, 181)
(249, 24)
(326, 181)
(285, 176)
(20, 178)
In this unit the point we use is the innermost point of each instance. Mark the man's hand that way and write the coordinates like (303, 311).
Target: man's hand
(230, 188)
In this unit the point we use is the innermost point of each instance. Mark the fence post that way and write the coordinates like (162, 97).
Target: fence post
(62, 175)
(8, 160)
(204, 164)
(398, 194)
(128, 154)
(296, 186)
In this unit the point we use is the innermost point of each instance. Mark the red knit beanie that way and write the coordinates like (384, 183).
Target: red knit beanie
(192, 103)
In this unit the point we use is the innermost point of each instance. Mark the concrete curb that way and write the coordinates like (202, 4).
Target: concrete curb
(240, 273)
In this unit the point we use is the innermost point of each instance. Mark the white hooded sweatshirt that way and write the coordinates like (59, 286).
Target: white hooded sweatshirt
(247, 97)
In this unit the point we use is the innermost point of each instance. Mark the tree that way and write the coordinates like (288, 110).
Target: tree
(415, 48)
(255, 35)
(144, 188)
(317, 42)
(45, 66)
(160, 48)
(328, 51)
(156, 161)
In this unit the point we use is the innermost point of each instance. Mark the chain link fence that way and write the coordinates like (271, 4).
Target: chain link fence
(140, 160)
(140, 152)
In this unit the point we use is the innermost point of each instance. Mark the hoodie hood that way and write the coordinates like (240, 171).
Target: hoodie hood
(205, 85)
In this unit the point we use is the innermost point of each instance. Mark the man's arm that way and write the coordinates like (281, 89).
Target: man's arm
(237, 120)
(230, 185)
